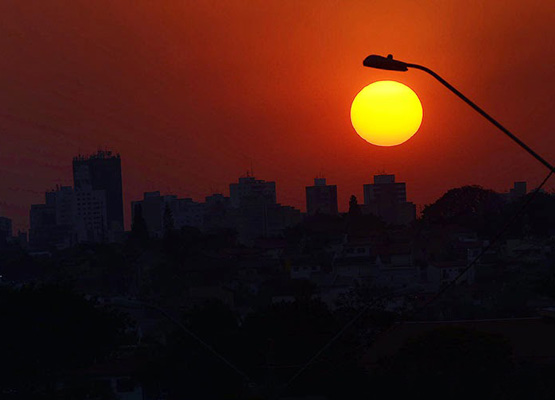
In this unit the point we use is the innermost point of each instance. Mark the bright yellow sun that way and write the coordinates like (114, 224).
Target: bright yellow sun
(386, 113)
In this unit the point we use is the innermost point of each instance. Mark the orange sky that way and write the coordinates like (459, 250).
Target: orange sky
(191, 92)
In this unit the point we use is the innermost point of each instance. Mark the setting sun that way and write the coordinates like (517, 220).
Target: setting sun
(386, 113)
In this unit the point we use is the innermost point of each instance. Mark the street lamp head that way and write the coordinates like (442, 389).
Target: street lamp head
(379, 62)
(388, 63)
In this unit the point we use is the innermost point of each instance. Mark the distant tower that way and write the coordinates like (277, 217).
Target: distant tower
(97, 180)
(321, 198)
(388, 200)
(518, 190)
(385, 187)
(250, 190)
(254, 212)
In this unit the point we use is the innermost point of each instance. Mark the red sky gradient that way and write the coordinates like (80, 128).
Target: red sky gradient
(191, 92)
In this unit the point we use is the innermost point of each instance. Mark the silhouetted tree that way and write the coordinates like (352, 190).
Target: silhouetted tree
(472, 207)
(359, 224)
(354, 208)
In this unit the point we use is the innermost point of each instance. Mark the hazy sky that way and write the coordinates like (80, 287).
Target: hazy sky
(192, 92)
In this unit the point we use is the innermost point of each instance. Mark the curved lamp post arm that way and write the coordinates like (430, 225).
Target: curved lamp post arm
(388, 63)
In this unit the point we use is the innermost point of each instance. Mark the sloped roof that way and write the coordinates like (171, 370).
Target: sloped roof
(532, 338)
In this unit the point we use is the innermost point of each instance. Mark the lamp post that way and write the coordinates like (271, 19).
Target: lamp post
(388, 63)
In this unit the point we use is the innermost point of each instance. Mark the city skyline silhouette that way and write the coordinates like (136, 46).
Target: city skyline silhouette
(193, 95)
(219, 200)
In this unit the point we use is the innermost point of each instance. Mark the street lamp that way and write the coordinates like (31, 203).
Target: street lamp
(390, 64)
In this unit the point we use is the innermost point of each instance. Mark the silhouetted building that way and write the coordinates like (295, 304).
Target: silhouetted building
(55, 223)
(183, 212)
(321, 198)
(42, 222)
(260, 220)
(254, 211)
(5, 230)
(21, 239)
(97, 182)
(187, 212)
(216, 212)
(441, 273)
(91, 213)
(518, 190)
(64, 201)
(252, 191)
(388, 200)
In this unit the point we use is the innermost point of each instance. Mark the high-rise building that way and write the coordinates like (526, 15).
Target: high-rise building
(5, 230)
(385, 187)
(321, 198)
(64, 202)
(388, 200)
(91, 216)
(252, 191)
(55, 224)
(98, 184)
(254, 211)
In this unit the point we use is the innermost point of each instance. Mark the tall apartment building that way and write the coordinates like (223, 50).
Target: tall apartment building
(91, 216)
(321, 198)
(388, 200)
(216, 212)
(92, 211)
(252, 191)
(254, 211)
(98, 189)
(55, 224)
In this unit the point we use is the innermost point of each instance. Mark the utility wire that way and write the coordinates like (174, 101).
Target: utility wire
(193, 335)
(368, 305)
(495, 239)
(325, 347)
(485, 249)
(335, 337)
